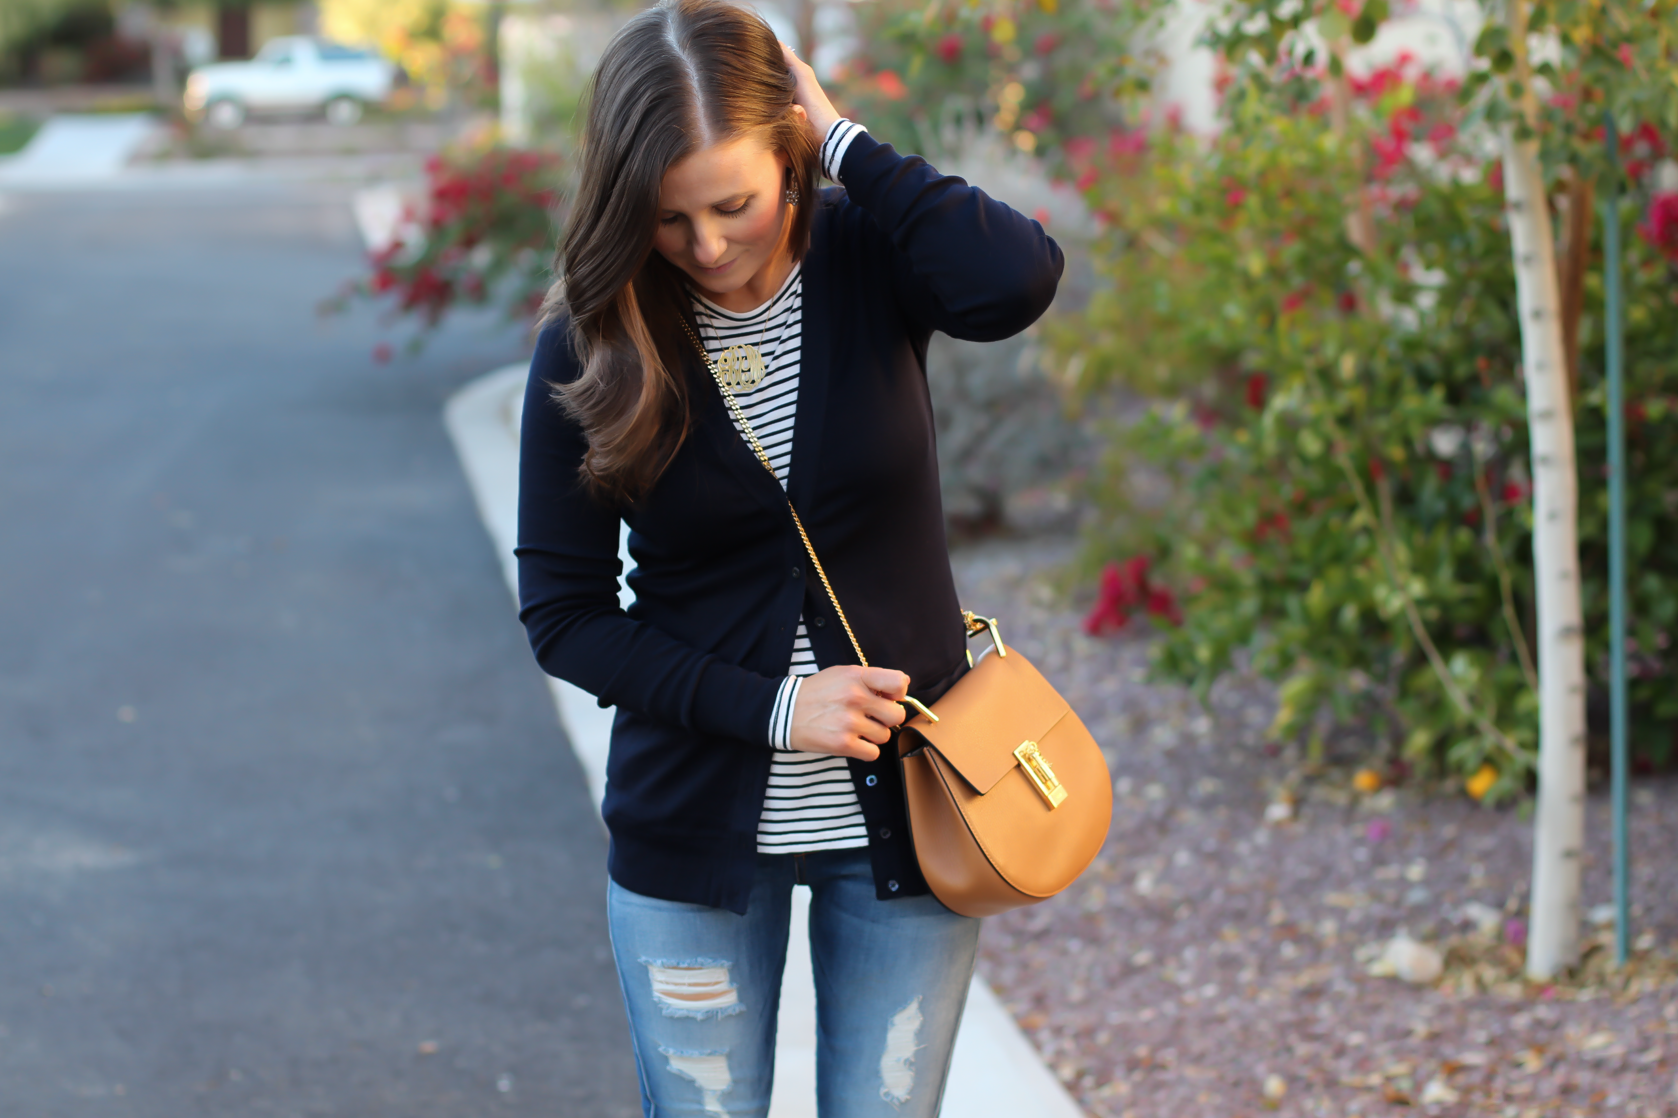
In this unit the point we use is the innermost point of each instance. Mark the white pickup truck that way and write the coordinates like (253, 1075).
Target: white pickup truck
(292, 74)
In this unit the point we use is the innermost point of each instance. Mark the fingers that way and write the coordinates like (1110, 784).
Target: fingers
(848, 710)
(862, 751)
(894, 685)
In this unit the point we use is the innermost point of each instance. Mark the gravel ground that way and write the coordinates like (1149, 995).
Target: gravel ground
(1213, 962)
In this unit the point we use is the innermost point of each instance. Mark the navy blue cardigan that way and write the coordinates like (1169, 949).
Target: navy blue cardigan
(720, 576)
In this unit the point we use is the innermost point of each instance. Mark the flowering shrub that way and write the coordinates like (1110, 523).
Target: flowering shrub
(1124, 591)
(1039, 72)
(1660, 228)
(1333, 474)
(484, 236)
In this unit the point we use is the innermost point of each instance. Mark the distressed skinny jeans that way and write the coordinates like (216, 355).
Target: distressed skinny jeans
(702, 986)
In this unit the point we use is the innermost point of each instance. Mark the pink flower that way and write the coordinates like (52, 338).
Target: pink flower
(1124, 588)
(1378, 830)
(1660, 227)
(949, 49)
(1234, 197)
(1120, 142)
(1626, 59)
(1046, 42)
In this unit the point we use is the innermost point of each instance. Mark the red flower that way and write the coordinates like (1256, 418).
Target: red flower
(1295, 299)
(949, 48)
(1256, 385)
(1162, 603)
(1234, 197)
(1660, 227)
(1625, 55)
(1124, 589)
(891, 85)
(1471, 517)
(1513, 492)
(1277, 524)
(1376, 470)
(1120, 142)
(1443, 469)
(1642, 148)
(1086, 180)
(1347, 301)
(383, 280)
(1046, 42)
(382, 353)
(1041, 216)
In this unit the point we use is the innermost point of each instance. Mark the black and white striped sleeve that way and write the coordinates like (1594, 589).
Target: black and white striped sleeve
(780, 719)
(839, 138)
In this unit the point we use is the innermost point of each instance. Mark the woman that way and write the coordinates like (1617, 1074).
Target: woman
(746, 753)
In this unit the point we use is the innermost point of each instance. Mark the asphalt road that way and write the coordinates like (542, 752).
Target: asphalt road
(287, 824)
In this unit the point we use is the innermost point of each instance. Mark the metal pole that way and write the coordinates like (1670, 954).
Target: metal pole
(1618, 714)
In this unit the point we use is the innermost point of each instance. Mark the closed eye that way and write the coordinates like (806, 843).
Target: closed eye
(735, 212)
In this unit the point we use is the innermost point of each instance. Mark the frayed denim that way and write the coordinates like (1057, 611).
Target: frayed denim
(702, 987)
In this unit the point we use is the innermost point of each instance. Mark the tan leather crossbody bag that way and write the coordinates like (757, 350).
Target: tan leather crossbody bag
(1009, 797)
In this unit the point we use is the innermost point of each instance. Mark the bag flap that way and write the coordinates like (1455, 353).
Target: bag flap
(991, 710)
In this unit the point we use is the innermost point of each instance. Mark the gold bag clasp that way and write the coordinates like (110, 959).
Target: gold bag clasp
(1042, 777)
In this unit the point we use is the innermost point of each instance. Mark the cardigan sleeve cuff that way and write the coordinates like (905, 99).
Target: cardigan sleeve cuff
(837, 143)
(733, 702)
(780, 719)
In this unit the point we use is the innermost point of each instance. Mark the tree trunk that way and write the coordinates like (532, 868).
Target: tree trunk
(1559, 823)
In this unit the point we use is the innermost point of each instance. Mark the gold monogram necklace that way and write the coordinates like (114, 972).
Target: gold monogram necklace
(741, 366)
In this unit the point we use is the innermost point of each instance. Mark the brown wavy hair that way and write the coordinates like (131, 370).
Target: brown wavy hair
(678, 77)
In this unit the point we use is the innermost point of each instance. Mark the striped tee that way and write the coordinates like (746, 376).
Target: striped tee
(810, 803)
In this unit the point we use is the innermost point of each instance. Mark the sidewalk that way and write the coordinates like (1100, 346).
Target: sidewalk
(72, 149)
(995, 1073)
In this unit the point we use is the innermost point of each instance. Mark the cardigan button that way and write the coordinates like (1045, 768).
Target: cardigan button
(885, 832)
(892, 885)
(819, 621)
(797, 572)
(872, 780)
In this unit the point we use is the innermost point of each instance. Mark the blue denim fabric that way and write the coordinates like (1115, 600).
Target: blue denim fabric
(891, 982)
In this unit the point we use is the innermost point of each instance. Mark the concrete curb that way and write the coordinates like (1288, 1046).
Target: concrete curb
(995, 1072)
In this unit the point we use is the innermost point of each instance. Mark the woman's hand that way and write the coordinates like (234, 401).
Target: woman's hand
(847, 711)
(818, 110)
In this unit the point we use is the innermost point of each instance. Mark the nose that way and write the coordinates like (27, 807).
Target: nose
(708, 245)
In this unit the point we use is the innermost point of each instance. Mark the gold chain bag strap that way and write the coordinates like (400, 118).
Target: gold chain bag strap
(1009, 797)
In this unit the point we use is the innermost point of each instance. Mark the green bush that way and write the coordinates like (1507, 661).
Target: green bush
(1332, 472)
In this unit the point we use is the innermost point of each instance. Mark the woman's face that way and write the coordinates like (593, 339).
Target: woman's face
(722, 213)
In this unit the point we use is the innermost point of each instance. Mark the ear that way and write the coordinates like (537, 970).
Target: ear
(798, 111)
